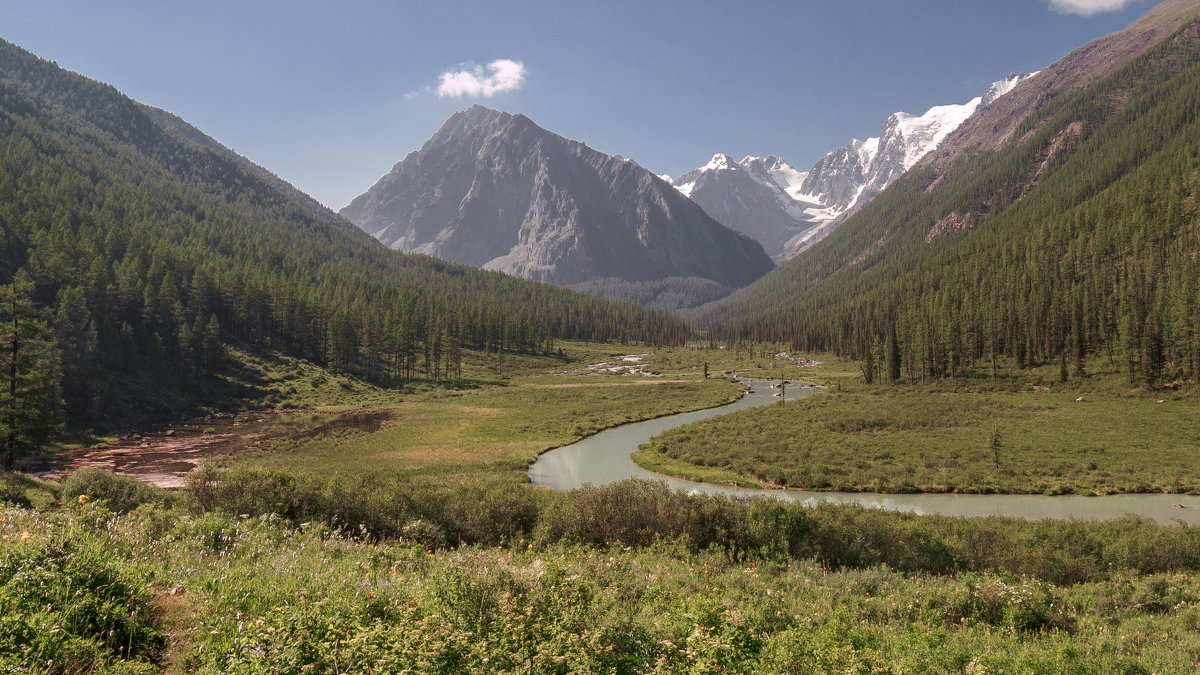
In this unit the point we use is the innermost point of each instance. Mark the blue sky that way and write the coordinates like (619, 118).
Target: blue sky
(329, 95)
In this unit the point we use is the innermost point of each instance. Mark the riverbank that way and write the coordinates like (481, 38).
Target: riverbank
(418, 546)
(163, 457)
(1038, 439)
(499, 419)
(496, 430)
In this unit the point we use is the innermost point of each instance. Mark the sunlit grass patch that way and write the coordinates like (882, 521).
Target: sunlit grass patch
(901, 439)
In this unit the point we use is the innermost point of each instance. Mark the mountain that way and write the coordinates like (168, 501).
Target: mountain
(144, 267)
(751, 197)
(496, 191)
(789, 210)
(1063, 236)
(174, 124)
(1082, 68)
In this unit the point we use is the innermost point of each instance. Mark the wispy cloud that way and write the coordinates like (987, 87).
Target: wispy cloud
(500, 76)
(1089, 7)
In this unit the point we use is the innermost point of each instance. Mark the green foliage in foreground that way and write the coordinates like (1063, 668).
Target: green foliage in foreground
(25, 490)
(617, 579)
(920, 439)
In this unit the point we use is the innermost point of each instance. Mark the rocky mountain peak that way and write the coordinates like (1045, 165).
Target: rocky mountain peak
(1002, 87)
(497, 191)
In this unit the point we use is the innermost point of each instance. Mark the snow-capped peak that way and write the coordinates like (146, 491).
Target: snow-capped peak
(867, 150)
(922, 133)
(806, 205)
(1002, 87)
(719, 162)
(776, 171)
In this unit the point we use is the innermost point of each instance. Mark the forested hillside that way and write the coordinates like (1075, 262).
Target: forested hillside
(1078, 240)
(131, 257)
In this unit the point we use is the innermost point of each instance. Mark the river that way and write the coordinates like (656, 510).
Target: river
(605, 458)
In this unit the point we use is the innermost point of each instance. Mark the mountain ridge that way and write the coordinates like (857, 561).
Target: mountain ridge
(1082, 67)
(790, 210)
(1073, 239)
(143, 261)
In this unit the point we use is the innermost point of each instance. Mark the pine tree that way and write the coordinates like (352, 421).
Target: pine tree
(29, 395)
(212, 350)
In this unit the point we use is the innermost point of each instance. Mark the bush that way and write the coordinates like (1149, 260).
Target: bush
(120, 493)
(640, 513)
(25, 490)
(483, 512)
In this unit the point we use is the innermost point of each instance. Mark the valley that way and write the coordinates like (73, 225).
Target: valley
(421, 545)
(523, 405)
(967, 437)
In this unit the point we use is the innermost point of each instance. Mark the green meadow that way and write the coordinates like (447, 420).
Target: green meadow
(1025, 436)
(421, 547)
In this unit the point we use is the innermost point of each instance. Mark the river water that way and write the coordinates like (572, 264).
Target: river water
(604, 458)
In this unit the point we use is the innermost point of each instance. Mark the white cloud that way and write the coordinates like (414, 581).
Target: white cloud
(503, 75)
(1089, 7)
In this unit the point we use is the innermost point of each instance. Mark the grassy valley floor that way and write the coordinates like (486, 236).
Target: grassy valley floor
(421, 547)
(1096, 437)
(527, 406)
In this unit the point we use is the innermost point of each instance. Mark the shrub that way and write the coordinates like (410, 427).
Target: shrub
(121, 493)
(24, 490)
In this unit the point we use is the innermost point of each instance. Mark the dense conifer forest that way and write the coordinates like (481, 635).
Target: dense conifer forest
(131, 257)
(1078, 241)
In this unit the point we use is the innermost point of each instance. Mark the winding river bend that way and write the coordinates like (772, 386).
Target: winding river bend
(605, 458)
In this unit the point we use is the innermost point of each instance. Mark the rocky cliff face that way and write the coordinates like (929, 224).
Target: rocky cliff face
(497, 191)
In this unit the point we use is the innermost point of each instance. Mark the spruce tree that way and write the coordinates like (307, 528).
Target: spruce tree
(29, 396)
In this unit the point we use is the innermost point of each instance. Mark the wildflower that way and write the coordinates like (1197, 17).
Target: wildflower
(25, 535)
(270, 629)
(83, 499)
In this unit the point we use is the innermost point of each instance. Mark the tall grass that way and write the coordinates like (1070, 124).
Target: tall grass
(625, 578)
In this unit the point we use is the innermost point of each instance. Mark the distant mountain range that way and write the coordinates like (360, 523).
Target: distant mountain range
(497, 191)
(789, 210)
